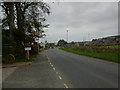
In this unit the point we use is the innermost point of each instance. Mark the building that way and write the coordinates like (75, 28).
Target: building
(111, 40)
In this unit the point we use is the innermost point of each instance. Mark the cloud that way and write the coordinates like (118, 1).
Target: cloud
(98, 19)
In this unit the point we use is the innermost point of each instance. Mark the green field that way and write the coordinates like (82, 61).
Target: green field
(112, 46)
(110, 54)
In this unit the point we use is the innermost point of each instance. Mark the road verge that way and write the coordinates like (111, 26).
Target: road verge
(104, 56)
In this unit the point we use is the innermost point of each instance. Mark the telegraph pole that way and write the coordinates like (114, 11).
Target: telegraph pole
(67, 36)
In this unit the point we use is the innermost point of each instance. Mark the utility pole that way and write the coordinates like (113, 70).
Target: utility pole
(67, 36)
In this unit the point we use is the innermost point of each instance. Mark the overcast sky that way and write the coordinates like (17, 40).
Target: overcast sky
(83, 20)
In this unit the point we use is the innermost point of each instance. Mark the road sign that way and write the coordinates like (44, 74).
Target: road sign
(27, 48)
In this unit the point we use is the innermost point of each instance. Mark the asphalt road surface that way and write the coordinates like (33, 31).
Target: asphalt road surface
(84, 72)
(38, 75)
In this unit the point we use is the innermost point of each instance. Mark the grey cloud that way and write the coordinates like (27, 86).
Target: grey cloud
(81, 18)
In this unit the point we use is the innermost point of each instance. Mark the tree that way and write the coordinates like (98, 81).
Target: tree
(23, 18)
(30, 18)
(9, 20)
(23, 22)
(61, 43)
(34, 20)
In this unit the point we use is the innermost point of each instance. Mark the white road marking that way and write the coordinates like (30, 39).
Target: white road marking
(48, 57)
(65, 85)
(51, 65)
(56, 72)
(53, 68)
(60, 77)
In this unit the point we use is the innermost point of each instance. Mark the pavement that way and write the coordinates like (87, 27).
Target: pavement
(7, 72)
(82, 71)
(37, 75)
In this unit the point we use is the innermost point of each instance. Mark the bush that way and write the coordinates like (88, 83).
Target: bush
(19, 52)
(8, 41)
(10, 58)
(34, 50)
(8, 50)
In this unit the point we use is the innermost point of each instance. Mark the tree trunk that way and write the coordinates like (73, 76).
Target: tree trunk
(20, 21)
(11, 18)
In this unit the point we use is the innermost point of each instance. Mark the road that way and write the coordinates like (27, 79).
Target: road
(84, 72)
(37, 75)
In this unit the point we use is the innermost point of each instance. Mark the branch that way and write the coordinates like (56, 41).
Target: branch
(5, 8)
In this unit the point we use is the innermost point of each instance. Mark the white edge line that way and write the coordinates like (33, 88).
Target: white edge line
(56, 72)
(51, 65)
(49, 60)
(53, 68)
(48, 57)
(65, 85)
(60, 77)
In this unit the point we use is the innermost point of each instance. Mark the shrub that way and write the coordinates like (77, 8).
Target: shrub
(8, 49)
(34, 50)
(20, 52)
(10, 58)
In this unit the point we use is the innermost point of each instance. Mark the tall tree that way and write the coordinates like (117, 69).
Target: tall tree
(23, 17)
(9, 20)
(28, 18)
(23, 22)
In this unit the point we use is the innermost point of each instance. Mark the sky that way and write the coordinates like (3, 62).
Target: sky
(83, 20)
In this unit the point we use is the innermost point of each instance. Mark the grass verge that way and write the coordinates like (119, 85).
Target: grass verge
(106, 56)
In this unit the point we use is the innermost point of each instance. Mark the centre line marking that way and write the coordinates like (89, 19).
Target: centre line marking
(60, 77)
(65, 85)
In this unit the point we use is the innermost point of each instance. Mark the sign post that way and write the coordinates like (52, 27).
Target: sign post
(28, 54)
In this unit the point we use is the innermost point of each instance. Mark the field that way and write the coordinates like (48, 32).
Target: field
(110, 53)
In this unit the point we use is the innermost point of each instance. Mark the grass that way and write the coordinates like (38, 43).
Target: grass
(112, 46)
(105, 56)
